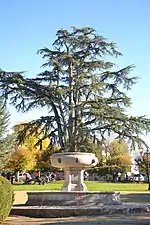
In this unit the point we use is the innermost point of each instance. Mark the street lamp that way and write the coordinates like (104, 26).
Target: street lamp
(141, 158)
(148, 169)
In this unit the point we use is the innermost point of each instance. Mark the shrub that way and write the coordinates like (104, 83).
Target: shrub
(6, 198)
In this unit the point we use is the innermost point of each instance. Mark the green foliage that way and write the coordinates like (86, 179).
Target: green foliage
(21, 159)
(142, 162)
(84, 94)
(34, 141)
(118, 155)
(6, 198)
(43, 158)
(7, 141)
(31, 155)
(106, 170)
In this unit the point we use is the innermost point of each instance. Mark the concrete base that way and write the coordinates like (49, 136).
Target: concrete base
(87, 199)
(57, 212)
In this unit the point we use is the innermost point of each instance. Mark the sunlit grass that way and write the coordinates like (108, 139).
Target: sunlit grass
(92, 186)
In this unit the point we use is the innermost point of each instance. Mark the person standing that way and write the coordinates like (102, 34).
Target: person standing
(39, 174)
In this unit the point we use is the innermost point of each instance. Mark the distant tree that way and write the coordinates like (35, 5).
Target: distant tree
(84, 94)
(142, 162)
(32, 141)
(118, 155)
(21, 159)
(40, 150)
(7, 141)
(43, 157)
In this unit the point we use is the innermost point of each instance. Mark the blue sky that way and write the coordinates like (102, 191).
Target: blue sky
(29, 25)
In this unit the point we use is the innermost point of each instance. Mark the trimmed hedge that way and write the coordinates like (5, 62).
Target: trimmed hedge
(6, 198)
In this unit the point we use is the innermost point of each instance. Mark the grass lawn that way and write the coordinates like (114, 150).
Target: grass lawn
(92, 186)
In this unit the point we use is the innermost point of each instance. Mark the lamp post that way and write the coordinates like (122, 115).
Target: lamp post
(141, 157)
(148, 169)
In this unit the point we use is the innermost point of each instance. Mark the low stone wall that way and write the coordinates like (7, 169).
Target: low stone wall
(87, 199)
(58, 212)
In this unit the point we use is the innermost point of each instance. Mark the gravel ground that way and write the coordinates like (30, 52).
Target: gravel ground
(143, 219)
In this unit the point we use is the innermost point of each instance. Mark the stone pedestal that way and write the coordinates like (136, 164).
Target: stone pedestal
(74, 180)
(74, 164)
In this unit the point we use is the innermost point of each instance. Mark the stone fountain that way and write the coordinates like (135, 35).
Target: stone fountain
(74, 165)
(74, 199)
(74, 191)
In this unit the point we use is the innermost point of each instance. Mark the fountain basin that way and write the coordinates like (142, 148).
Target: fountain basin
(86, 199)
(74, 160)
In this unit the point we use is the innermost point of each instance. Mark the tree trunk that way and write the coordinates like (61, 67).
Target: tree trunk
(71, 110)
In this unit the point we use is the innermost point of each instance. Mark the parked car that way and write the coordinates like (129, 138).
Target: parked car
(139, 178)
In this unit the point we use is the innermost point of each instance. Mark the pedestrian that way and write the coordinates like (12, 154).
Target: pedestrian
(28, 178)
(12, 179)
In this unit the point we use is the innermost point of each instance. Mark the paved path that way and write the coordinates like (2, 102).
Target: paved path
(20, 197)
(135, 219)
